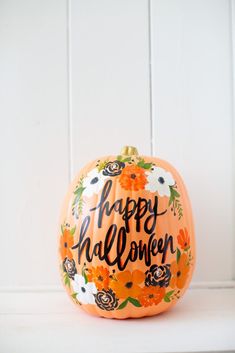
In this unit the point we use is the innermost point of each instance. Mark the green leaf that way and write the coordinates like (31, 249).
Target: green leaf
(167, 299)
(175, 193)
(85, 276)
(67, 280)
(72, 231)
(147, 165)
(178, 254)
(171, 199)
(74, 295)
(133, 301)
(141, 163)
(128, 159)
(170, 293)
(79, 191)
(102, 165)
(123, 305)
(121, 159)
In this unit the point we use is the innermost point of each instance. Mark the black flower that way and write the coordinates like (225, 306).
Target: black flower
(69, 267)
(158, 276)
(113, 168)
(106, 300)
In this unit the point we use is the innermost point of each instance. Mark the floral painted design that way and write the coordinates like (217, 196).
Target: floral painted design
(100, 276)
(93, 182)
(103, 286)
(158, 276)
(66, 242)
(179, 272)
(151, 296)
(133, 174)
(84, 291)
(95, 285)
(126, 284)
(133, 177)
(160, 181)
(171, 295)
(183, 239)
(174, 202)
(106, 300)
(113, 168)
(69, 267)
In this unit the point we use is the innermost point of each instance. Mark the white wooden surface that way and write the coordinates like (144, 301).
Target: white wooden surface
(76, 83)
(203, 321)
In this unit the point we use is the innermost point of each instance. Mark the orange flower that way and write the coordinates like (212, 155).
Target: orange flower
(133, 178)
(152, 295)
(126, 284)
(183, 239)
(99, 275)
(66, 242)
(179, 272)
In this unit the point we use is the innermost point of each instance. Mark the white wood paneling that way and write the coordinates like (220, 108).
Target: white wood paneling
(192, 110)
(77, 84)
(34, 138)
(109, 78)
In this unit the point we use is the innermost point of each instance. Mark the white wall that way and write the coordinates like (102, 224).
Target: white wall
(82, 78)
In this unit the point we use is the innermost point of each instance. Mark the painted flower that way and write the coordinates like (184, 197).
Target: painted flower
(69, 267)
(159, 180)
(113, 168)
(151, 296)
(179, 272)
(127, 284)
(100, 276)
(133, 178)
(66, 242)
(93, 183)
(183, 239)
(106, 300)
(158, 276)
(85, 291)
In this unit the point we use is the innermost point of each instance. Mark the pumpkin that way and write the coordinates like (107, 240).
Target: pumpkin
(126, 240)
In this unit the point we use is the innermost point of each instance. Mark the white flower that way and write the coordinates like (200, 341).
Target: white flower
(85, 291)
(93, 183)
(159, 180)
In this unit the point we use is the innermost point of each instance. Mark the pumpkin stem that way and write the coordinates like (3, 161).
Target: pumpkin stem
(129, 151)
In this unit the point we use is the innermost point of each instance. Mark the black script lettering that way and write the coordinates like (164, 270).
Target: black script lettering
(128, 212)
(102, 204)
(82, 243)
(167, 243)
(114, 246)
(132, 208)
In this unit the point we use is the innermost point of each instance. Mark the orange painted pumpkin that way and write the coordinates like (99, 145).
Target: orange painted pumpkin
(126, 243)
